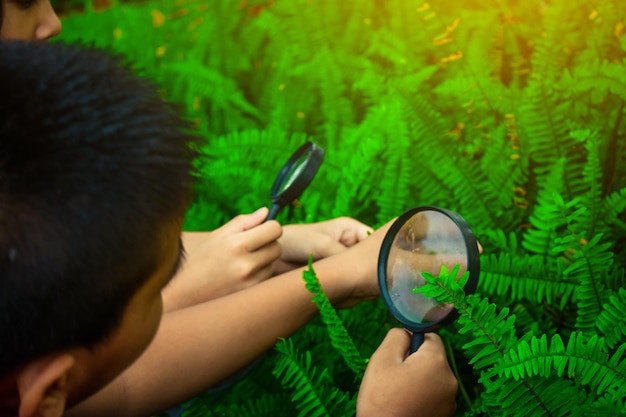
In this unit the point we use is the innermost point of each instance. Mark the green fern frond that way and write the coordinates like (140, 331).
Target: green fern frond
(354, 172)
(593, 179)
(597, 78)
(592, 257)
(534, 396)
(339, 337)
(312, 392)
(497, 240)
(592, 297)
(197, 408)
(546, 217)
(614, 206)
(265, 405)
(525, 277)
(507, 171)
(587, 262)
(585, 360)
(543, 130)
(532, 321)
(605, 406)
(207, 90)
(612, 320)
(336, 109)
(596, 22)
(445, 287)
(616, 277)
(489, 334)
(394, 186)
(543, 126)
(534, 358)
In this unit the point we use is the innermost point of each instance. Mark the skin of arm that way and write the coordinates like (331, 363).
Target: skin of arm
(246, 251)
(198, 346)
(320, 240)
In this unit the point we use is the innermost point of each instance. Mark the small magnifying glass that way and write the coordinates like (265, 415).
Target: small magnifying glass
(295, 176)
(423, 240)
(290, 183)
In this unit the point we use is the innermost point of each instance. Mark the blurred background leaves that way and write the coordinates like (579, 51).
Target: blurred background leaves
(510, 112)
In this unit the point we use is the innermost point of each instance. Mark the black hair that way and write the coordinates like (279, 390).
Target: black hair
(94, 166)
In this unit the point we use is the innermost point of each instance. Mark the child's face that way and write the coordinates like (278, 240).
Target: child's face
(98, 366)
(62, 379)
(29, 20)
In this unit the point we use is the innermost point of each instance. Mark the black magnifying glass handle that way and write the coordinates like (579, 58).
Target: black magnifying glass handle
(416, 341)
(273, 212)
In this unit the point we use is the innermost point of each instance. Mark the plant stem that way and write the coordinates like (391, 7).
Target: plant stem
(466, 397)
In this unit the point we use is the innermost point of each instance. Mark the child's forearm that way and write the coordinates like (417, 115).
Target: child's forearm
(197, 347)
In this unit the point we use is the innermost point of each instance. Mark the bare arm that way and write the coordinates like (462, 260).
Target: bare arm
(246, 251)
(197, 347)
(320, 240)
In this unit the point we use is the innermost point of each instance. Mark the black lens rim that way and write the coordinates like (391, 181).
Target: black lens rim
(313, 162)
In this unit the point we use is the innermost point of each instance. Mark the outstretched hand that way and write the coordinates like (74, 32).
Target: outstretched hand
(397, 385)
(319, 240)
(235, 256)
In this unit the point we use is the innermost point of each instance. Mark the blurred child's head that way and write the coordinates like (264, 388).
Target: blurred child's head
(94, 181)
(28, 20)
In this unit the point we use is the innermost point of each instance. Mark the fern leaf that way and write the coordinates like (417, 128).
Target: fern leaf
(535, 396)
(585, 260)
(395, 182)
(264, 405)
(606, 406)
(311, 391)
(339, 336)
(546, 217)
(612, 321)
(587, 362)
(490, 333)
(614, 205)
(196, 408)
(525, 277)
(593, 180)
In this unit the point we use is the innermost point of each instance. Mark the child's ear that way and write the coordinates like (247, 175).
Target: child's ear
(42, 386)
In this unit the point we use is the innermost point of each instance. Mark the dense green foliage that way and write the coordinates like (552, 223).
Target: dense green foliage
(509, 112)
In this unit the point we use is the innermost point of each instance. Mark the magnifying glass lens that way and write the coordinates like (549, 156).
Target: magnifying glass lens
(424, 243)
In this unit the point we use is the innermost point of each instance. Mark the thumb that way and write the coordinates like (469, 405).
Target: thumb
(393, 348)
(247, 221)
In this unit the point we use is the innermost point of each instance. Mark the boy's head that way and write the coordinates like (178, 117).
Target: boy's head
(94, 182)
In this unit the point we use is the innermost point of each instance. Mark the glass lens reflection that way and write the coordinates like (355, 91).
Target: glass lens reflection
(294, 172)
(428, 240)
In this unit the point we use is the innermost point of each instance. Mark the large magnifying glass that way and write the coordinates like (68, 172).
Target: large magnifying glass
(423, 240)
(295, 176)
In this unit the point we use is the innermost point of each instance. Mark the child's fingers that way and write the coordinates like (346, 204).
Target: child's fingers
(244, 222)
(393, 348)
